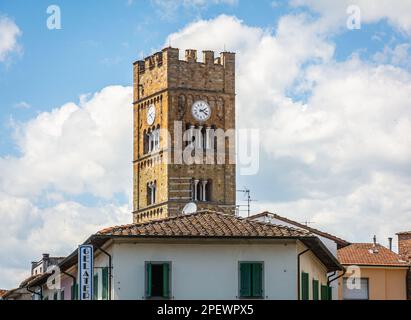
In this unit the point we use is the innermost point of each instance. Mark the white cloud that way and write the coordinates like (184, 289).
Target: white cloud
(9, 33)
(397, 56)
(27, 231)
(396, 12)
(75, 150)
(88, 139)
(22, 105)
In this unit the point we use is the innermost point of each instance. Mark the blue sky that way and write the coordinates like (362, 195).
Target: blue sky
(333, 102)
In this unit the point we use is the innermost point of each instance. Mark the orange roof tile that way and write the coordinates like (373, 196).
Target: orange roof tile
(368, 254)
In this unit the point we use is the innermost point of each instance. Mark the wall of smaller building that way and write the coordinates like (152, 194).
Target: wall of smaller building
(383, 283)
(204, 271)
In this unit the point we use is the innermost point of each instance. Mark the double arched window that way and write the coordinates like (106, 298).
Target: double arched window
(201, 190)
(201, 137)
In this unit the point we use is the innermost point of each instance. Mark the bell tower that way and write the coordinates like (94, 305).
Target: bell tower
(181, 106)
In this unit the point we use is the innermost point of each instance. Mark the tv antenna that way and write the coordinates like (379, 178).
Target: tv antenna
(247, 193)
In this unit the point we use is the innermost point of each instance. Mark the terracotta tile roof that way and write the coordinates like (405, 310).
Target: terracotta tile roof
(339, 241)
(205, 224)
(209, 224)
(368, 254)
(2, 292)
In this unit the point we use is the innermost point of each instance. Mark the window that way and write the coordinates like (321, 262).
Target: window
(158, 280)
(62, 295)
(251, 280)
(357, 291)
(105, 279)
(305, 286)
(55, 296)
(201, 190)
(315, 289)
(151, 192)
(95, 287)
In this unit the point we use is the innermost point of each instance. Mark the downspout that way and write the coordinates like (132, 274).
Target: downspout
(36, 293)
(298, 272)
(110, 266)
(332, 280)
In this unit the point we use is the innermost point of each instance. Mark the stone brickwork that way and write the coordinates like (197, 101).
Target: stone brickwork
(172, 86)
(404, 249)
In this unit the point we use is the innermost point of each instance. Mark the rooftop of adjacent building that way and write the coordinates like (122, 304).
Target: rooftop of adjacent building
(341, 242)
(369, 254)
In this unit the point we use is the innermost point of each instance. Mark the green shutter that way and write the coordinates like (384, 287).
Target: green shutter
(74, 291)
(324, 292)
(315, 289)
(95, 287)
(257, 280)
(105, 280)
(62, 295)
(55, 296)
(304, 286)
(148, 277)
(245, 279)
(166, 280)
(330, 293)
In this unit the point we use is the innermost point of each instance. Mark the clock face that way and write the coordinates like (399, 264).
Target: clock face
(151, 114)
(201, 111)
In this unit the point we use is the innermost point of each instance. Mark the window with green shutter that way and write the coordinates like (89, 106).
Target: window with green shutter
(62, 295)
(158, 280)
(105, 280)
(251, 280)
(315, 289)
(305, 294)
(324, 292)
(95, 287)
(55, 296)
(330, 293)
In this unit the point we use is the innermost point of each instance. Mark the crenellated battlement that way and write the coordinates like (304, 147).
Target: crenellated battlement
(165, 70)
(171, 55)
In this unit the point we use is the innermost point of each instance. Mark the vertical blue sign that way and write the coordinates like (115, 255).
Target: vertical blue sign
(85, 267)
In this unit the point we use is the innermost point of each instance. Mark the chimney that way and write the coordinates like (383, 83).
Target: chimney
(46, 256)
(375, 240)
(390, 243)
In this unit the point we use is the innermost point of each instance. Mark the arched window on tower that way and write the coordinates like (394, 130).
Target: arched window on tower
(201, 190)
(151, 192)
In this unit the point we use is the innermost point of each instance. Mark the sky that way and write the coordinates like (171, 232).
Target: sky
(327, 85)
